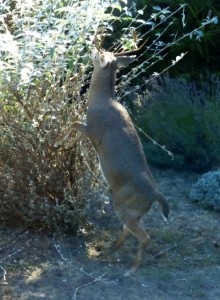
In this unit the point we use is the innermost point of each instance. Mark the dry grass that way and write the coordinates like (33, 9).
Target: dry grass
(181, 262)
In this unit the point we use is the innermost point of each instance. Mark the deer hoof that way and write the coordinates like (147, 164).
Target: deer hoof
(131, 272)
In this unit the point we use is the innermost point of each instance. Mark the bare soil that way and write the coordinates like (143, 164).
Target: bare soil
(181, 262)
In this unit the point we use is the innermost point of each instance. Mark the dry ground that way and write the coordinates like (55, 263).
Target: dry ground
(181, 262)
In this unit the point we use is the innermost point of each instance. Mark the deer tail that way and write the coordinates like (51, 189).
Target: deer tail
(164, 206)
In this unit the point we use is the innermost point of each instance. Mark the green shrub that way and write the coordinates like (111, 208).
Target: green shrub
(43, 64)
(206, 190)
(185, 119)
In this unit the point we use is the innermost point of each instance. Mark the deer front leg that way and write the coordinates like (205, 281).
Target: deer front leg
(75, 126)
(82, 127)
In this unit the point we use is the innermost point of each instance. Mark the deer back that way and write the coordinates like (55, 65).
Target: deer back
(109, 125)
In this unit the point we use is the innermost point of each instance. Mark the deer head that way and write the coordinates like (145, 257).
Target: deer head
(102, 58)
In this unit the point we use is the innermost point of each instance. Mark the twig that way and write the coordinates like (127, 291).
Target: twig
(94, 279)
(165, 250)
(4, 274)
(155, 143)
(10, 255)
(57, 247)
(94, 175)
(87, 284)
(13, 241)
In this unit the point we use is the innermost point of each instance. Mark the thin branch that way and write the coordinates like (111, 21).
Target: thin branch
(81, 270)
(12, 254)
(165, 250)
(4, 274)
(13, 241)
(155, 143)
(87, 284)
(20, 99)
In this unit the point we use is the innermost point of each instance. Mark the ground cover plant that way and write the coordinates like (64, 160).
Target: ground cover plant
(206, 191)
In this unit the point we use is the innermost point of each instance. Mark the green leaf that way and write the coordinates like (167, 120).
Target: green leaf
(150, 23)
(215, 20)
(126, 19)
(116, 6)
(52, 52)
(157, 8)
(62, 9)
(110, 27)
(140, 21)
(166, 11)
(140, 12)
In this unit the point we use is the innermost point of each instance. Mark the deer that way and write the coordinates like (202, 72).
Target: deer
(120, 153)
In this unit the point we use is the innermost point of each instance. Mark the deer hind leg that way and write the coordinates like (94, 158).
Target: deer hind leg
(143, 240)
(131, 227)
(117, 243)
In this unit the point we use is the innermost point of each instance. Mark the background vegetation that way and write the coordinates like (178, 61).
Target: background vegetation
(184, 118)
(203, 51)
(180, 111)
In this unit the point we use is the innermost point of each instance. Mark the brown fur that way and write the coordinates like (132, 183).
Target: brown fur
(120, 152)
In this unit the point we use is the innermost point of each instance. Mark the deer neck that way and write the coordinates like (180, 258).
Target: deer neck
(102, 86)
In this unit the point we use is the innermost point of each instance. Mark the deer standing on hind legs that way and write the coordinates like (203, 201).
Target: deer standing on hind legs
(120, 153)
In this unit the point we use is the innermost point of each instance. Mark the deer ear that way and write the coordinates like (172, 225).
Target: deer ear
(124, 60)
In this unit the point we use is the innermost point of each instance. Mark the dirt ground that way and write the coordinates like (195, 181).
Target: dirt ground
(181, 262)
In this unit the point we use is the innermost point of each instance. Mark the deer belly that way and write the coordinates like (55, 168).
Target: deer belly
(112, 174)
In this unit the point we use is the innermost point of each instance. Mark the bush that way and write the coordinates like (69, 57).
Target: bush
(206, 190)
(185, 118)
(43, 63)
